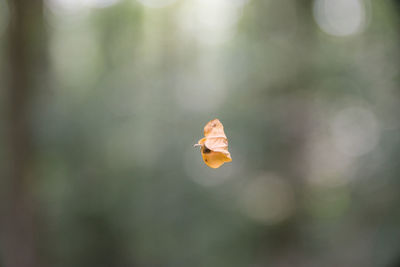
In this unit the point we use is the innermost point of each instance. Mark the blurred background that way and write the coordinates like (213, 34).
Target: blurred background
(102, 100)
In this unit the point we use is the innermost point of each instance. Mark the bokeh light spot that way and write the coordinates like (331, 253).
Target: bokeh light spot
(355, 131)
(69, 7)
(100, 3)
(211, 22)
(340, 17)
(63, 7)
(157, 3)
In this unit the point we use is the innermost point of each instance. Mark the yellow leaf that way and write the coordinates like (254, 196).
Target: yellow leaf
(214, 146)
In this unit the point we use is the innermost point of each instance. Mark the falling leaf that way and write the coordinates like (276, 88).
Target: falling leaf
(214, 146)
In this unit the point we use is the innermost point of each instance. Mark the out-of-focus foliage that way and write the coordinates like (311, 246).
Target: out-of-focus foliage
(308, 92)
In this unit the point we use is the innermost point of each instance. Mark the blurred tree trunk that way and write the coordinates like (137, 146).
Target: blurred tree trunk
(287, 249)
(24, 55)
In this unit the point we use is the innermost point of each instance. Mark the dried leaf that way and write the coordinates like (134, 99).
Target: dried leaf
(214, 146)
